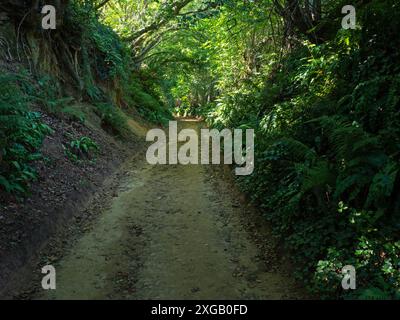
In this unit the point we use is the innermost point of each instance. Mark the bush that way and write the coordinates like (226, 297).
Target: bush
(113, 120)
(145, 103)
(21, 134)
(327, 159)
(79, 149)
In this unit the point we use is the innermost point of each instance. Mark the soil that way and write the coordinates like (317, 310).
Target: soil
(167, 232)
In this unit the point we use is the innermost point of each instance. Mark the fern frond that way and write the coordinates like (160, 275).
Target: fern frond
(318, 176)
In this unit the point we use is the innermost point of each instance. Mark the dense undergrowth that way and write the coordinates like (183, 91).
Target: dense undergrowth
(21, 134)
(106, 58)
(328, 154)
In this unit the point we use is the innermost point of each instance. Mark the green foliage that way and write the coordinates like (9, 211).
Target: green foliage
(340, 158)
(105, 58)
(105, 53)
(113, 120)
(21, 134)
(82, 148)
(102, 61)
(145, 101)
(74, 114)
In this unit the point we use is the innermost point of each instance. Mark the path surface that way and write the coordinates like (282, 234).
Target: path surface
(171, 232)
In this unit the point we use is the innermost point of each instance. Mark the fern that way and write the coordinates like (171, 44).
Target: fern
(320, 175)
(382, 185)
(21, 134)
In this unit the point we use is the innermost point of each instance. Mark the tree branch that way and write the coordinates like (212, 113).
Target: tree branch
(176, 8)
(102, 4)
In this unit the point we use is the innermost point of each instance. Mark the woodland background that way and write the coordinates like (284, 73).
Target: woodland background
(324, 102)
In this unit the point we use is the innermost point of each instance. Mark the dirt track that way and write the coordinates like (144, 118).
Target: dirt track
(173, 232)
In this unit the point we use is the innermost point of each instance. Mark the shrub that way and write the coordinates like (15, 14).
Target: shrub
(21, 134)
(113, 120)
(81, 148)
(327, 162)
(145, 103)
